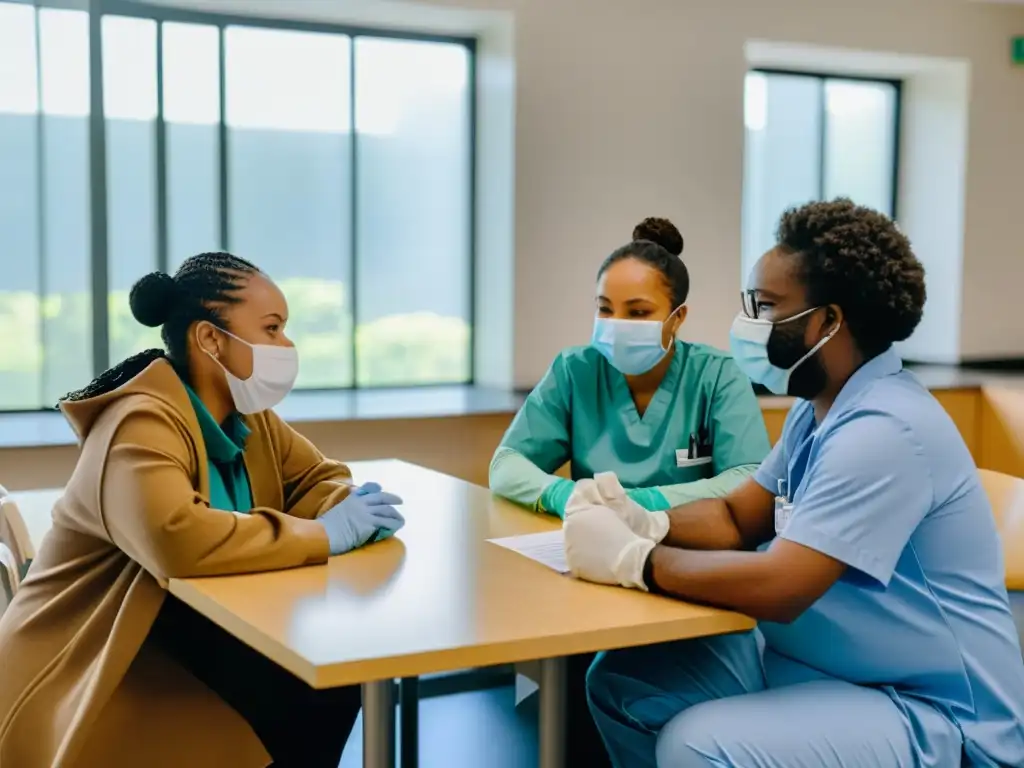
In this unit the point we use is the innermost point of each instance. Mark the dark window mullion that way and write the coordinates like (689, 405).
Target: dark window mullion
(98, 241)
(822, 136)
(897, 127)
(160, 156)
(353, 210)
(41, 239)
(472, 213)
(222, 142)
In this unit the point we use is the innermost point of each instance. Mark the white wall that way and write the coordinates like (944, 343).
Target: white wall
(628, 108)
(936, 109)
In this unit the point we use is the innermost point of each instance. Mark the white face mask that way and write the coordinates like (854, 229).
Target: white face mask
(274, 370)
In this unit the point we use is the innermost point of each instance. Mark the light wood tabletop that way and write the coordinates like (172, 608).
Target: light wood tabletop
(436, 597)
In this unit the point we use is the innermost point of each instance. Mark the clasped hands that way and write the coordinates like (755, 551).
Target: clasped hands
(365, 515)
(608, 536)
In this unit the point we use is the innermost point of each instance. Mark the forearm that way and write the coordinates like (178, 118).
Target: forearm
(703, 525)
(197, 541)
(746, 582)
(514, 477)
(712, 488)
(324, 487)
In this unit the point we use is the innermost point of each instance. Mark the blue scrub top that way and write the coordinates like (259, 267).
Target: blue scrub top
(583, 412)
(886, 485)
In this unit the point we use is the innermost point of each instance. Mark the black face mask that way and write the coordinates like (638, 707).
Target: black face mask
(785, 347)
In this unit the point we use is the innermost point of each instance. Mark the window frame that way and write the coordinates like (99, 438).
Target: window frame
(97, 158)
(823, 79)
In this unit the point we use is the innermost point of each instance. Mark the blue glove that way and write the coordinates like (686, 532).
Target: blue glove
(650, 499)
(361, 517)
(555, 496)
(382, 533)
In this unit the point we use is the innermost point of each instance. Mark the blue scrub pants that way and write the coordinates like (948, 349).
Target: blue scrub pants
(706, 703)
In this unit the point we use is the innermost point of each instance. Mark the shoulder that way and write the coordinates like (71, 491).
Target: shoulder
(711, 365)
(867, 442)
(896, 406)
(267, 425)
(581, 357)
(145, 416)
(576, 364)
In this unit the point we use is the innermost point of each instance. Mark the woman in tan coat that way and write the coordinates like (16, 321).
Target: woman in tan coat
(184, 472)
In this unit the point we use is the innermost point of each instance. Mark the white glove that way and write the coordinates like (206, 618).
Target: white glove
(600, 547)
(606, 490)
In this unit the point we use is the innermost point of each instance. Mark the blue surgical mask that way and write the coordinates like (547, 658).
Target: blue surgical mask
(748, 342)
(631, 346)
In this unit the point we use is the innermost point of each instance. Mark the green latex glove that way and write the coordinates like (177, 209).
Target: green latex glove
(555, 496)
(650, 499)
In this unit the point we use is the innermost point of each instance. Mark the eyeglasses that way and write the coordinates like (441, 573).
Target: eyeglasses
(749, 302)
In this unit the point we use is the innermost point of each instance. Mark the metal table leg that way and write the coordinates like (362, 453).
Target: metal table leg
(409, 709)
(379, 724)
(552, 713)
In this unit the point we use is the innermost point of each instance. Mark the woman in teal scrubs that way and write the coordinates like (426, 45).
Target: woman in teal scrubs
(674, 421)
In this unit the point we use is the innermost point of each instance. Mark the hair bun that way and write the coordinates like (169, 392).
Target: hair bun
(152, 298)
(660, 231)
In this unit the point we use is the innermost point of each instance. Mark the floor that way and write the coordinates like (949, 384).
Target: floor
(468, 730)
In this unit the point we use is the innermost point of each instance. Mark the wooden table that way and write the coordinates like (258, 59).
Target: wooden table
(437, 597)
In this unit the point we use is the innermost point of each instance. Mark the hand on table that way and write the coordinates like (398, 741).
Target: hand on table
(605, 489)
(599, 545)
(366, 514)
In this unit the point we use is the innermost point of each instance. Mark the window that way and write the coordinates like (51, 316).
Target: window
(339, 161)
(45, 298)
(814, 137)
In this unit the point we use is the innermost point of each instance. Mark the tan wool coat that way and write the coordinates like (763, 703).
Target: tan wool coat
(79, 686)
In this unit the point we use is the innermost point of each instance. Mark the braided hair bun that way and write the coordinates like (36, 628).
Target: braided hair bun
(660, 231)
(153, 298)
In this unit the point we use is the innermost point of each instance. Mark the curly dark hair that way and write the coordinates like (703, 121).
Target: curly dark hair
(858, 259)
(658, 244)
(199, 290)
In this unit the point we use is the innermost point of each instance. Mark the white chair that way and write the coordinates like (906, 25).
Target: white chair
(10, 577)
(13, 531)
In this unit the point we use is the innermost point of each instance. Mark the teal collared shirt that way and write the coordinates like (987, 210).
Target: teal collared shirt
(225, 449)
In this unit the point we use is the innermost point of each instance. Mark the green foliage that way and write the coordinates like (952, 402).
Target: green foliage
(46, 345)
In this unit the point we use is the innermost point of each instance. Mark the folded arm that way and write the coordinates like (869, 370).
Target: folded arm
(514, 477)
(313, 484)
(775, 585)
(665, 497)
(535, 446)
(707, 558)
(856, 511)
(152, 512)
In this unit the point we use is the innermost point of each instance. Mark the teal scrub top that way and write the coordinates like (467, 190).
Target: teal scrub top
(225, 449)
(582, 412)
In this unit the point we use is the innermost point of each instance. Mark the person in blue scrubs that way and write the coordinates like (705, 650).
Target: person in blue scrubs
(674, 421)
(864, 546)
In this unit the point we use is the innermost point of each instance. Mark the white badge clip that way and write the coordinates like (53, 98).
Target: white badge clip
(783, 509)
(683, 460)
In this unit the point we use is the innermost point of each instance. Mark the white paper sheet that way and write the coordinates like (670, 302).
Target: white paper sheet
(546, 548)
